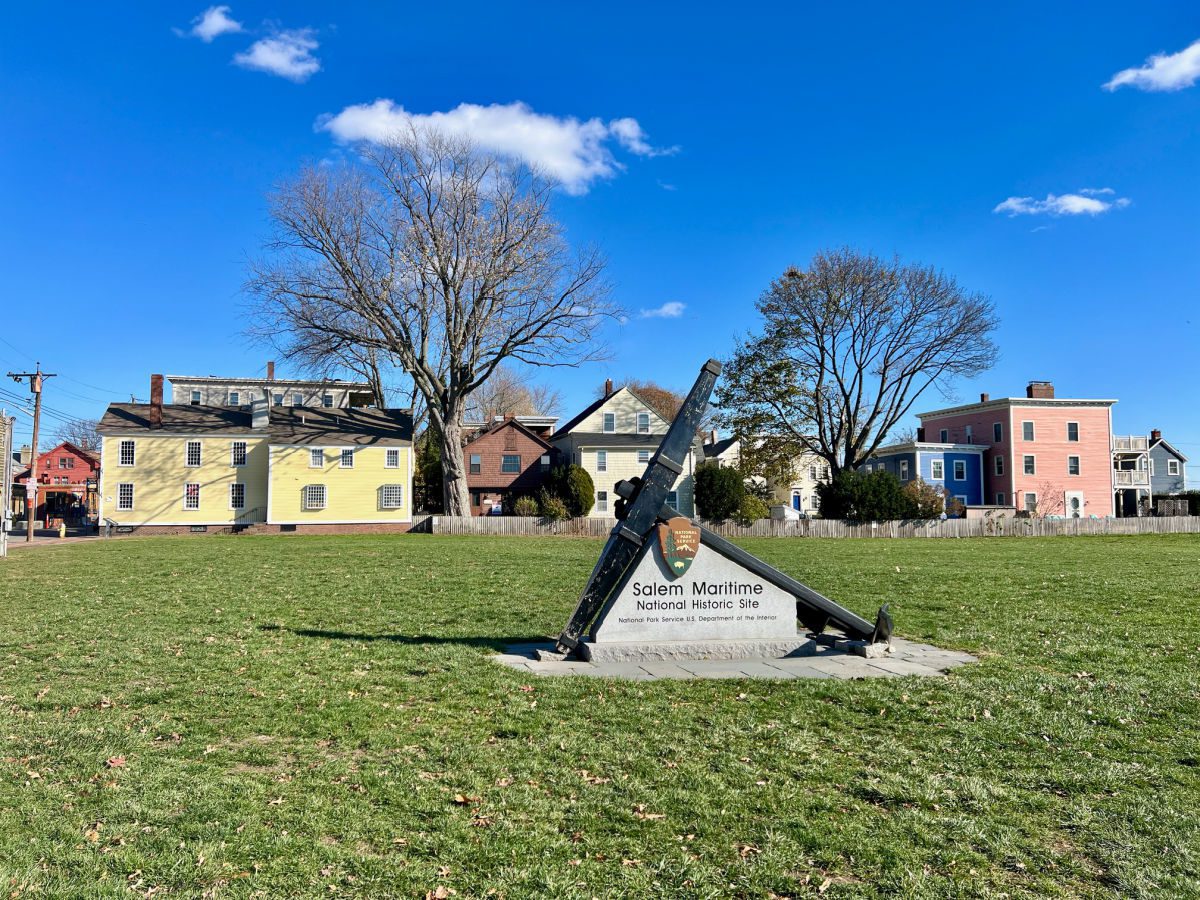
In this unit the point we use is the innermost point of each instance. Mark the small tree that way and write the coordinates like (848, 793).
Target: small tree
(549, 506)
(751, 510)
(525, 506)
(720, 492)
(865, 497)
(928, 502)
(574, 487)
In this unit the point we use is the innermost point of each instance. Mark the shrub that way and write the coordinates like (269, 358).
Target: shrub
(865, 497)
(751, 510)
(928, 502)
(525, 506)
(720, 492)
(573, 486)
(549, 506)
(1193, 499)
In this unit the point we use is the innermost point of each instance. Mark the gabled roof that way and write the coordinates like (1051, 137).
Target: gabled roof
(719, 447)
(594, 406)
(1154, 444)
(361, 425)
(178, 419)
(513, 423)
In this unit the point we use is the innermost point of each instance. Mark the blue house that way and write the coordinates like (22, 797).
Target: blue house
(1168, 467)
(955, 468)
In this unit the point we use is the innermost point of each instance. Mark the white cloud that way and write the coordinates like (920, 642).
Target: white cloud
(671, 310)
(1085, 202)
(1162, 72)
(287, 54)
(574, 152)
(212, 23)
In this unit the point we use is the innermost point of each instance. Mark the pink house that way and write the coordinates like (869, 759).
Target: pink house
(1046, 455)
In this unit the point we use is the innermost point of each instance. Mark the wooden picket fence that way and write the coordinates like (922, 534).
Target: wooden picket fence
(829, 528)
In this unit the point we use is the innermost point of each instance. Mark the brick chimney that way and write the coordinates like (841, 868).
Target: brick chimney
(984, 398)
(271, 370)
(156, 401)
(712, 437)
(1040, 390)
(608, 387)
(1155, 436)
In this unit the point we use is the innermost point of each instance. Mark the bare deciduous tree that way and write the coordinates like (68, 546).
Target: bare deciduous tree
(80, 432)
(847, 347)
(511, 392)
(444, 258)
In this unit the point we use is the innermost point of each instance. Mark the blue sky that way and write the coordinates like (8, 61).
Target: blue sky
(139, 143)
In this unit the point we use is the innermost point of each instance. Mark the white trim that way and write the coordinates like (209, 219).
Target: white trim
(602, 460)
(186, 485)
(1078, 465)
(1077, 440)
(187, 454)
(1011, 402)
(159, 433)
(132, 497)
(1024, 502)
(1032, 439)
(1170, 462)
(387, 451)
(604, 429)
(245, 455)
(230, 492)
(121, 465)
(270, 466)
(1032, 456)
(342, 451)
(957, 463)
(311, 450)
(99, 484)
(407, 521)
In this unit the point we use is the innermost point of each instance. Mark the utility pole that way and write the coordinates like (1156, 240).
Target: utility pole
(36, 379)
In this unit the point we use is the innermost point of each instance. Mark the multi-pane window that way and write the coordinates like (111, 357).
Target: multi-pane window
(297, 399)
(192, 454)
(316, 458)
(391, 496)
(944, 436)
(1027, 431)
(314, 496)
(673, 499)
(124, 496)
(643, 423)
(191, 496)
(610, 422)
(812, 473)
(601, 501)
(347, 460)
(904, 470)
(1072, 431)
(327, 401)
(997, 432)
(195, 398)
(66, 462)
(1172, 467)
(601, 460)
(1030, 465)
(960, 470)
(937, 469)
(235, 398)
(476, 463)
(1072, 465)
(237, 495)
(125, 454)
(277, 399)
(510, 463)
(643, 456)
(392, 459)
(1031, 503)
(237, 453)
(999, 465)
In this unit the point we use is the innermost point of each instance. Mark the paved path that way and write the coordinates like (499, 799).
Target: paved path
(811, 660)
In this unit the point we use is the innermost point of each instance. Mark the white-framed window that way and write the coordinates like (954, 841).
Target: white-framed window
(643, 456)
(610, 422)
(125, 496)
(1030, 464)
(347, 458)
(601, 460)
(1027, 431)
(997, 432)
(1030, 502)
(277, 399)
(960, 470)
(126, 454)
(191, 496)
(314, 496)
(237, 453)
(1172, 467)
(297, 399)
(316, 458)
(510, 463)
(601, 501)
(999, 498)
(643, 423)
(1072, 465)
(327, 401)
(937, 470)
(391, 459)
(944, 435)
(1073, 431)
(235, 399)
(812, 473)
(673, 499)
(999, 465)
(904, 470)
(544, 462)
(391, 496)
(195, 398)
(476, 463)
(970, 434)
(237, 495)
(192, 454)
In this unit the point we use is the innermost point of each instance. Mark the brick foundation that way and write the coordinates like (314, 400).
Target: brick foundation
(349, 528)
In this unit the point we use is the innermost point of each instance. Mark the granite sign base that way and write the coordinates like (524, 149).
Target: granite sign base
(650, 651)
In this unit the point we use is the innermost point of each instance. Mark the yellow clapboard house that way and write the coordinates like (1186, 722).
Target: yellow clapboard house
(169, 468)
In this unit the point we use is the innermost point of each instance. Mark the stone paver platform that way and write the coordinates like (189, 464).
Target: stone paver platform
(810, 660)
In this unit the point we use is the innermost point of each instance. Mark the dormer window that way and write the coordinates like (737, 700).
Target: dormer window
(235, 399)
(195, 398)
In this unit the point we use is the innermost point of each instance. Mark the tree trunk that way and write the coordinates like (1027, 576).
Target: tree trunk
(456, 497)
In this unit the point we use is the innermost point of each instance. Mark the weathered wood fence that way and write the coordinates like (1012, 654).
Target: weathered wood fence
(830, 528)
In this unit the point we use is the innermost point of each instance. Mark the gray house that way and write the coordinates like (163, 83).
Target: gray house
(1167, 467)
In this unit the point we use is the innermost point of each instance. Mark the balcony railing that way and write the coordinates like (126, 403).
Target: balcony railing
(1132, 443)
(1131, 478)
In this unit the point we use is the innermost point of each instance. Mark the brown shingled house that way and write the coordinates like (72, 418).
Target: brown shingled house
(505, 458)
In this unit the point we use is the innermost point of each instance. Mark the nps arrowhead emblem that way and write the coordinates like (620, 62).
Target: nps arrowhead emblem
(678, 540)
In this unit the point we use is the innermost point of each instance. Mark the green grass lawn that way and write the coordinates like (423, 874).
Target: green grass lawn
(316, 716)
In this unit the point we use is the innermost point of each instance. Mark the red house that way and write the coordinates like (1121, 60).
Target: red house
(505, 458)
(66, 478)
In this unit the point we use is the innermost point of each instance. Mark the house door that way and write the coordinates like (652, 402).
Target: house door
(1074, 504)
(795, 501)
